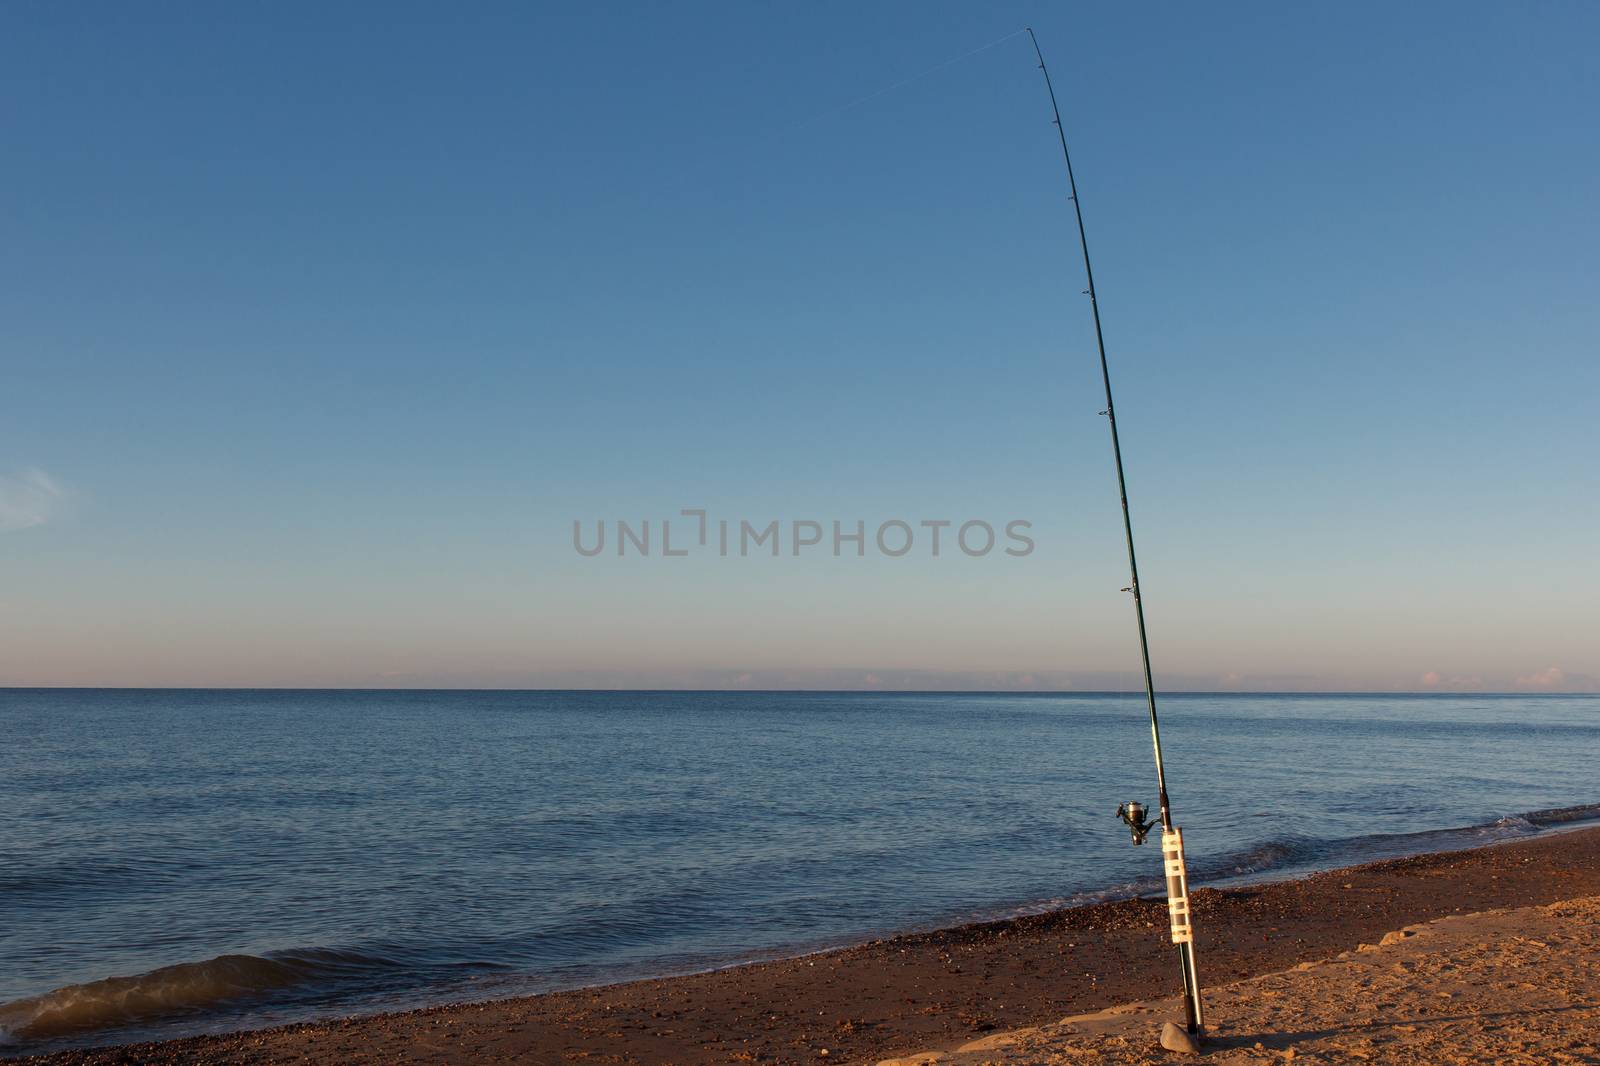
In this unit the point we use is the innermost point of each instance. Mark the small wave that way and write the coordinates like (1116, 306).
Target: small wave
(1512, 823)
(1291, 855)
(1587, 812)
(1263, 858)
(185, 988)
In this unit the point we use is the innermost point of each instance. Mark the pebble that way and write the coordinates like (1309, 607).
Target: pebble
(1175, 1038)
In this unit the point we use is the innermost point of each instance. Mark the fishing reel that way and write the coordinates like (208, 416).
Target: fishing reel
(1134, 815)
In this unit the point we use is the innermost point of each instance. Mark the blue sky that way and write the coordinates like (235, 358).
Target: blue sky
(321, 325)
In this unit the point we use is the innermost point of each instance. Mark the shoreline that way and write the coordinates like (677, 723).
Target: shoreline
(941, 987)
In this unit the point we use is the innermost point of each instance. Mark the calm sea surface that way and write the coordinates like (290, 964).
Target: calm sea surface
(273, 855)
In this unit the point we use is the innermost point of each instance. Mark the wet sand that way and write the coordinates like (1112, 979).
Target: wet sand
(929, 990)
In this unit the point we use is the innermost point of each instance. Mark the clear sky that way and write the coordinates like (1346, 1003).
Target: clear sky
(320, 325)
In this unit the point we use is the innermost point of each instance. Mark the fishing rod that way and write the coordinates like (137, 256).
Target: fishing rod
(1133, 813)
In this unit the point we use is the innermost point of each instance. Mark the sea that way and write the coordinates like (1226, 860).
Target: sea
(183, 861)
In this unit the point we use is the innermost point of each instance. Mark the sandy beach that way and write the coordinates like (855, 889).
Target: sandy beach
(944, 990)
(1513, 986)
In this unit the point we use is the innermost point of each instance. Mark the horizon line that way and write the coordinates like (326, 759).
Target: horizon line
(798, 691)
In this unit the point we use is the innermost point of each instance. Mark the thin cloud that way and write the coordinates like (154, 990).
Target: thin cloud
(1549, 677)
(30, 498)
(1433, 679)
